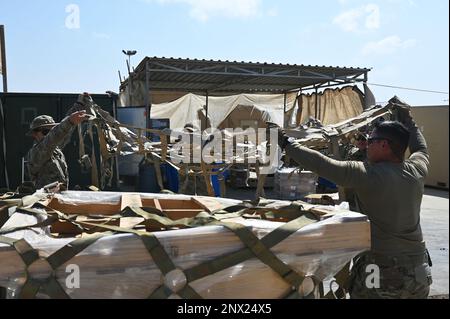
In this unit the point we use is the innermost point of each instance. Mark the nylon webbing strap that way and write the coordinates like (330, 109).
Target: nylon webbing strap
(161, 259)
(29, 255)
(72, 249)
(342, 280)
(269, 241)
(264, 254)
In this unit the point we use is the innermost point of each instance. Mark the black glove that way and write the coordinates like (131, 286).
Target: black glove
(403, 112)
(282, 137)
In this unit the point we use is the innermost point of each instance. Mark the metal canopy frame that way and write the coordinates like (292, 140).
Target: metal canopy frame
(225, 77)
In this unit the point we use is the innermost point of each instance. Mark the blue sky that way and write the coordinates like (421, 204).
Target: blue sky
(406, 42)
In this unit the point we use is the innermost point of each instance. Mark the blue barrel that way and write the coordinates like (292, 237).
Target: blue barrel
(216, 183)
(171, 177)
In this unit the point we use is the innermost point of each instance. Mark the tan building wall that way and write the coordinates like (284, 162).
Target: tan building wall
(434, 123)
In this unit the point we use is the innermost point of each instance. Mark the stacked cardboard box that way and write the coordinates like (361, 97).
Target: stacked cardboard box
(293, 184)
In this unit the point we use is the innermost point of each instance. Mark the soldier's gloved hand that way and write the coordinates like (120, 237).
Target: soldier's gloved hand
(403, 111)
(78, 117)
(282, 137)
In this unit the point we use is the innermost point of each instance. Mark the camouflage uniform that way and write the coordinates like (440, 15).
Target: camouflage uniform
(401, 277)
(46, 162)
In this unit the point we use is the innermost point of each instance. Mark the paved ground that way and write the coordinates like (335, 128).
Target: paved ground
(435, 226)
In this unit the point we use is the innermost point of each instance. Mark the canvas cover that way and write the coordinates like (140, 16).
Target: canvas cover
(333, 105)
(186, 109)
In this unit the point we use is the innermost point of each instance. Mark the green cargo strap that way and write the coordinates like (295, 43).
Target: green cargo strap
(342, 280)
(159, 256)
(66, 253)
(264, 254)
(165, 222)
(29, 201)
(232, 259)
(29, 255)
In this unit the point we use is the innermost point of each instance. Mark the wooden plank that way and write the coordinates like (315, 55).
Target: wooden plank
(130, 200)
(157, 204)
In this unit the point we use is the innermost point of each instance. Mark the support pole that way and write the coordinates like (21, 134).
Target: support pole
(315, 104)
(147, 98)
(3, 59)
(207, 105)
(285, 106)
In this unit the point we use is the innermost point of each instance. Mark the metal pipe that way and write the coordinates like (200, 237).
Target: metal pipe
(207, 105)
(315, 104)
(3, 59)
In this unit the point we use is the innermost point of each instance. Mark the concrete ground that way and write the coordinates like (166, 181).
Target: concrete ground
(435, 227)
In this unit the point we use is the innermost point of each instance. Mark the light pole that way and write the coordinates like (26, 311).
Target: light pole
(129, 53)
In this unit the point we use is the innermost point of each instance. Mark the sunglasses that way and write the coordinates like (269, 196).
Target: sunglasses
(44, 131)
(372, 140)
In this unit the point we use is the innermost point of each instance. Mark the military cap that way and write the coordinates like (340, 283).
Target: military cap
(41, 122)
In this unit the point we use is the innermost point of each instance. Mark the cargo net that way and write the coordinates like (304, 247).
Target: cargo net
(115, 245)
(117, 139)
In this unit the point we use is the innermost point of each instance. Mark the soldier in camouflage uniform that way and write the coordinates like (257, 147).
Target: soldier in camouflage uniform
(46, 162)
(389, 191)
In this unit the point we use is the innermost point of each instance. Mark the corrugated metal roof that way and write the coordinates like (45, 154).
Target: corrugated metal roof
(239, 77)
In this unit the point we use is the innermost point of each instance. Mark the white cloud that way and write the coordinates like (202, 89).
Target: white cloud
(272, 12)
(351, 20)
(203, 10)
(388, 45)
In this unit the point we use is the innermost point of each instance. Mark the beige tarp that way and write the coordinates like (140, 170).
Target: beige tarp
(334, 105)
(186, 109)
(245, 116)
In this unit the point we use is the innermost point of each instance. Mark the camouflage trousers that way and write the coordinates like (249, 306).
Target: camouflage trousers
(398, 279)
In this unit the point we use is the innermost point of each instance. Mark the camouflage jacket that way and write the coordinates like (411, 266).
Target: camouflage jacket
(46, 162)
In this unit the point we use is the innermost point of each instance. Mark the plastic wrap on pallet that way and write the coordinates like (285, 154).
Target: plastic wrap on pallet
(119, 266)
(292, 184)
